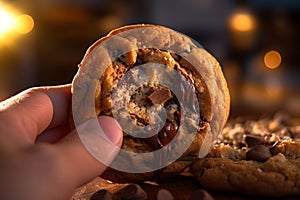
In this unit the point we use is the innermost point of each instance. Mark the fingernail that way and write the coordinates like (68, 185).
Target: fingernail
(111, 128)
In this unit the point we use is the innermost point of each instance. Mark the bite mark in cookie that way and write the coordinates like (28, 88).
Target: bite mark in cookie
(186, 118)
(149, 99)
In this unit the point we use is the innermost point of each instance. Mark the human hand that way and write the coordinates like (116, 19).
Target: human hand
(40, 158)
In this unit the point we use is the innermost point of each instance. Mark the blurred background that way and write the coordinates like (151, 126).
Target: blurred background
(256, 42)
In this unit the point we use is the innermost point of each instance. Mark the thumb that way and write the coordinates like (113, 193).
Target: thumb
(89, 149)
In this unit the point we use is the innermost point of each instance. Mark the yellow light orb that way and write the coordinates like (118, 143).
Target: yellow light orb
(6, 21)
(242, 22)
(23, 24)
(272, 59)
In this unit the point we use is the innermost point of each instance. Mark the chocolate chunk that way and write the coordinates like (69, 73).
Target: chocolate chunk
(164, 194)
(167, 133)
(133, 192)
(254, 140)
(259, 153)
(102, 195)
(160, 96)
(201, 195)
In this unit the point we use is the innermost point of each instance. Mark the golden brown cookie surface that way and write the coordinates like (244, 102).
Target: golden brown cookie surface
(256, 157)
(103, 68)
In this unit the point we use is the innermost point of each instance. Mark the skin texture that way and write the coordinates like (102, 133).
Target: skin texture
(40, 157)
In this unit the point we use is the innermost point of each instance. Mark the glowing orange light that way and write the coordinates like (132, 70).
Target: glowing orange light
(23, 24)
(7, 21)
(272, 59)
(13, 24)
(242, 22)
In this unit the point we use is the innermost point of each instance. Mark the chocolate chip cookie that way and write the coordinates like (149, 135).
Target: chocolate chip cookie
(255, 157)
(165, 91)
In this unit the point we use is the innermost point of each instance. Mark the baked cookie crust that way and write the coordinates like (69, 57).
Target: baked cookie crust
(255, 157)
(102, 68)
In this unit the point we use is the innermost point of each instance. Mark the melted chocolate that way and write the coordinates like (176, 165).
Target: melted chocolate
(164, 136)
(165, 96)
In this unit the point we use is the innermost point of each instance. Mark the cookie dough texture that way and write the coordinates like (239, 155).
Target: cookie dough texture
(105, 63)
(228, 167)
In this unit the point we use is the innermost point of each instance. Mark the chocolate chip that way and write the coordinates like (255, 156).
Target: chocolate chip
(164, 136)
(254, 140)
(164, 194)
(201, 195)
(167, 133)
(160, 96)
(259, 153)
(133, 192)
(101, 195)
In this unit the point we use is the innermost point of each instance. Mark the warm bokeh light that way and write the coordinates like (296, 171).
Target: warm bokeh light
(23, 24)
(12, 24)
(272, 59)
(242, 22)
(7, 21)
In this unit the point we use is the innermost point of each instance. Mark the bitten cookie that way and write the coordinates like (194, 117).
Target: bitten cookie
(255, 157)
(154, 75)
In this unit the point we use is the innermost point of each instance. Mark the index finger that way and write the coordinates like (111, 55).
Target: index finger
(26, 115)
(60, 97)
